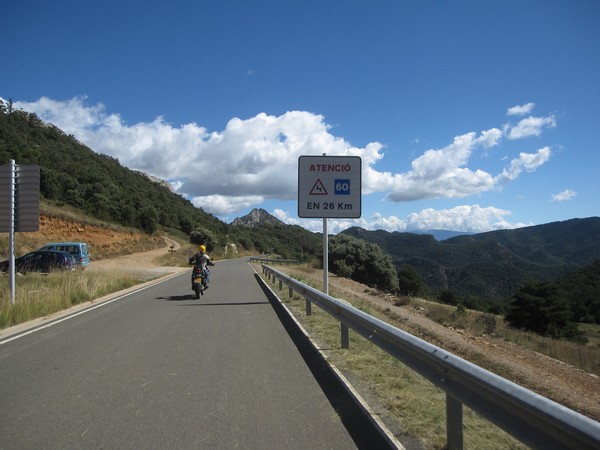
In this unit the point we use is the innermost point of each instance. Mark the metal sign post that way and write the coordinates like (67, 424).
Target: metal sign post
(325, 258)
(19, 207)
(329, 187)
(11, 231)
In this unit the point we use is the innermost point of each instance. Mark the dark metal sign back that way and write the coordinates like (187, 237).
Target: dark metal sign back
(26, 183)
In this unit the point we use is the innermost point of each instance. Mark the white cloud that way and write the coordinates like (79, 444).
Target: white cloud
(563, 196)
(466, 218)
(520, 110)
(221, 205)
(253, 160)
(526, 161)
(441, 173)
(531, 126)
(334, 226)
(71, 116)
(390, 223)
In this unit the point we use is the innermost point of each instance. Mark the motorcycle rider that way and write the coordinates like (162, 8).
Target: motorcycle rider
(201, 260)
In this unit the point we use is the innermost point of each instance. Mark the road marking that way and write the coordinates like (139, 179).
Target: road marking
(56, 322)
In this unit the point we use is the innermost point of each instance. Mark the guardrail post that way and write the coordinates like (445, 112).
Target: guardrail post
(547, 425)
(345, 336)
(280, 285)
(454, 423)
(290, 292)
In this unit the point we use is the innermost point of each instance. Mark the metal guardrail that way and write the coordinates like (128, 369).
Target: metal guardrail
(273, 261)
(531, 418)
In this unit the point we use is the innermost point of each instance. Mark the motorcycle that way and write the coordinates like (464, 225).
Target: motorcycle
(199, 276)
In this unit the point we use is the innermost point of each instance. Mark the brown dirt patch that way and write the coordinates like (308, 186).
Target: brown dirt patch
(141, 264)
(103, 241)
(111, 247)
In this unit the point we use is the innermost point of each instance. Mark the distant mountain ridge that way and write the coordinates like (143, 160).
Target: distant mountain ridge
(493, 264)
(490, 265)
(256, 217)
(441, 235)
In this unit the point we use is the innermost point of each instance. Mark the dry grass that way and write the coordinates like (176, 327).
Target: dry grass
(408, 403)
(585, 357)
(38, 295)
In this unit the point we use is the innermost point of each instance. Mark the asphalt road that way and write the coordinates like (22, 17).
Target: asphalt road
(160, 369)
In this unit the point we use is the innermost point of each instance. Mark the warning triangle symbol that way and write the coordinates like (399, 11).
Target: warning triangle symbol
(318, 188)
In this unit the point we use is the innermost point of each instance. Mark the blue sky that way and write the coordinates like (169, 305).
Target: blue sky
(468, 115)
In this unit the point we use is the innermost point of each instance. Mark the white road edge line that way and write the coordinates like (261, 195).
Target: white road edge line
(57, 321)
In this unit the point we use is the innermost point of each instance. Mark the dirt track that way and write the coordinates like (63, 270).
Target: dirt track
(141, 264)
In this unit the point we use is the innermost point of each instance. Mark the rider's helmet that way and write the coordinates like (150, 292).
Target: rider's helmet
(202, 249)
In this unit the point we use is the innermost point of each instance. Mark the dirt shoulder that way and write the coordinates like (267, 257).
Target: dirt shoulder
(141, 264)
(548, 377)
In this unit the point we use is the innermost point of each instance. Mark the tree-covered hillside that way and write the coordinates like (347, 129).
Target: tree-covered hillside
(492, 265)
(97, 184)
(72, 174)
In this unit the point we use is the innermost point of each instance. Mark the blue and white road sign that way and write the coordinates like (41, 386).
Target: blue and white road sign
(329, 187)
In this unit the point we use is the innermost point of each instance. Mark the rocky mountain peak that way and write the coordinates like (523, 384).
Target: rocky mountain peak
(163, 183)
(256, 217)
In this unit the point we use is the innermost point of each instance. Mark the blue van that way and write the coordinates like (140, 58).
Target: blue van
(79, 250)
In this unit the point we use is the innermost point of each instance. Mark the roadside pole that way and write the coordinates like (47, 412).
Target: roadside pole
(325, 257)
(11, 231)
(329, 187)
(19, 207)
(325, 254)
